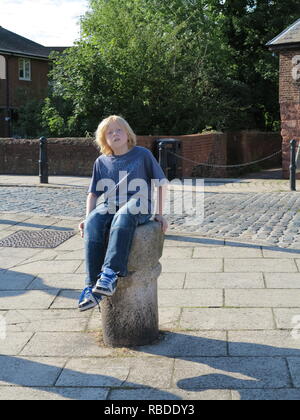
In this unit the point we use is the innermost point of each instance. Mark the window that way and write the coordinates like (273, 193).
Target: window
(2, 67)
(24, 69)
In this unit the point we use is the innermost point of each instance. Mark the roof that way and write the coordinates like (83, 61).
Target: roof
(289, 38)
(12, 43)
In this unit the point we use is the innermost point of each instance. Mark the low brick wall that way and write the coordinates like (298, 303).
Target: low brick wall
(250, 146)
(65, 156)
(75, 156)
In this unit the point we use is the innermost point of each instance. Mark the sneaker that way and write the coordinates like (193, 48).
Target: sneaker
(87, 300)
(107, 283)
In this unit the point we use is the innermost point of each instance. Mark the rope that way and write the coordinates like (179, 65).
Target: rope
(225, 166)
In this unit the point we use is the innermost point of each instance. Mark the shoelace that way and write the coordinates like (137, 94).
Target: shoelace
(87, 293)
(106, 279)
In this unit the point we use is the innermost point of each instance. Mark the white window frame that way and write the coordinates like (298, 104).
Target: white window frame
(23, 62)
(2, 68)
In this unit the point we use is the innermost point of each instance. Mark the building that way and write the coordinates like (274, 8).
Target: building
(24, 67)
(287, 45)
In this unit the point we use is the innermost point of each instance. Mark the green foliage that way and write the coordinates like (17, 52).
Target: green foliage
(27, 121)
(170, 67)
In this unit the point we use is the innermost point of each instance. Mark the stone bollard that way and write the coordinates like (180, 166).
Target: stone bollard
(130, 316)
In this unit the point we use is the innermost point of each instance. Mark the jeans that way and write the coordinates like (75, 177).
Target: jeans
(119, 228)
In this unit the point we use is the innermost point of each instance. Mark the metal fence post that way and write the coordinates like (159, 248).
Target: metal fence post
(43, 161)
(293, 165)
(161, 156)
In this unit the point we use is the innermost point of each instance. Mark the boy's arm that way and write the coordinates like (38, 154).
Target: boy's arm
(160, 204)
(91, 202)
(161, 199)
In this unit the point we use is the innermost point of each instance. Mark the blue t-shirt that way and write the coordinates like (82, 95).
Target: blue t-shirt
(132, 175)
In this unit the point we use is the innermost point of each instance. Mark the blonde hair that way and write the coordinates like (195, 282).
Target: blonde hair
(101, 134)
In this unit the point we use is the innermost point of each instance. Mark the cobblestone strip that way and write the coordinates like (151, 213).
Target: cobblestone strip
(271, 218)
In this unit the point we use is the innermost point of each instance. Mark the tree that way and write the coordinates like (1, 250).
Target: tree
(155, 65)
(247, 26)
(171, 67)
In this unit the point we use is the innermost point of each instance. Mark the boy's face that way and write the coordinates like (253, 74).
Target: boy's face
(117, 138)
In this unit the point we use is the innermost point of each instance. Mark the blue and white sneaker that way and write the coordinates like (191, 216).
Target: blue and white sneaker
(107, 283)
(88, 300)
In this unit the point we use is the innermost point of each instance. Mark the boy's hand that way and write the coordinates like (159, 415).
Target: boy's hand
(163, 221)
(81, 228)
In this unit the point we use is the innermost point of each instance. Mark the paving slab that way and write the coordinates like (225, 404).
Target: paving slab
(8, 262)
(190, 298)
(48, 267)
(48, 320)
(266, 298)
(58, 344)
(185, 240)
(169, 317)
(228, 252)
(33, 299)
(294, 366)
(178, 252)
(212, 265)
(282, 280)
(278, 253)
(66, 299)
(231, 373)
(14, 343)
(11, 280)
(224, 281)
(266, 395)
(57, 281)
(15, 393)
(30, 372)
(186, 344)
(226, 319)
(254, 265)
(171, 280)
(287, 318)
(117, 372)
(170, 394)
(263, 343)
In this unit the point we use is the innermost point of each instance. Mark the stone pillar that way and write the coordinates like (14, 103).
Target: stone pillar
(130, 317)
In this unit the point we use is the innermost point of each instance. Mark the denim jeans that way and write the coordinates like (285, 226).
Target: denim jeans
(119, 228)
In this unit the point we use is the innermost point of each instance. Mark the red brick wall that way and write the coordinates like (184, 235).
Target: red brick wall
(202, 148)
(289, 107)
(249, 146)
(76, 156)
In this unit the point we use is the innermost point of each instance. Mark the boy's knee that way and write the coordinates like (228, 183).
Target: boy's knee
(124, 220)
(94, 226)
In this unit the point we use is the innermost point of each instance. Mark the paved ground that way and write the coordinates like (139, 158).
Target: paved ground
(229, 315)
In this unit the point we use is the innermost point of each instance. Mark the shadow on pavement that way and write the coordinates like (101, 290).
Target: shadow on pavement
(267, 375)
(220, 242)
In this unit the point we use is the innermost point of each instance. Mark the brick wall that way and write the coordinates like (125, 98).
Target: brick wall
(75, 156)
(289, 107)
(249, 146)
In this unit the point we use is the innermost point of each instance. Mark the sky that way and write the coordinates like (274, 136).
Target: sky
(47, 22)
